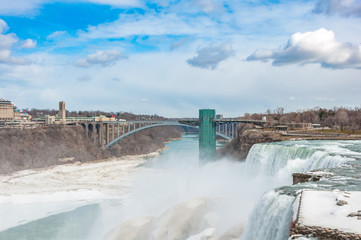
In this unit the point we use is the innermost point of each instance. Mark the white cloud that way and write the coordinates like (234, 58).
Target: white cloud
(6, 43)
(210, 57)
(16, 7)
(346, 8)
(165, 80)
(104, 58)
(20, 7)
(319, 46)
(208, 6)
(3, 26)
(116, 3)
(56, 34)
(153, 25)
(28, 43)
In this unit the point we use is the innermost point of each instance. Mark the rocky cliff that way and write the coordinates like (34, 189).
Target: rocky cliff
(44, 146)
(239, 147)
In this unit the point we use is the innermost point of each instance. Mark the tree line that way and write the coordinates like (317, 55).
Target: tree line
(336, 118)
(36, 113)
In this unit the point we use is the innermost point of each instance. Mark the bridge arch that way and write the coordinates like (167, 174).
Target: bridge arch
(112, 143)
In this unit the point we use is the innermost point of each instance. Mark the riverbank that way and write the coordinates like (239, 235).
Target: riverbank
(22, 149)
(107, 175)
(62, 188)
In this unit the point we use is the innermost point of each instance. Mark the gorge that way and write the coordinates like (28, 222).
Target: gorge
(173, 197)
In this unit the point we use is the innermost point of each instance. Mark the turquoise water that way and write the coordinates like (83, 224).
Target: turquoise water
(69, 225)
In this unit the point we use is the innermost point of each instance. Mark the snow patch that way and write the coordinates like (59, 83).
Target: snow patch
(319, 208)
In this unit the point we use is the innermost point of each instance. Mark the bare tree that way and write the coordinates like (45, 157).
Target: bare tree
(279, 111)
(330, 121)
(309, 117)
(342, 118)
(285, 119)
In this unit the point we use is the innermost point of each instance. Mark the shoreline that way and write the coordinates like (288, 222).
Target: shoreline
(109, 176)
(77, 163)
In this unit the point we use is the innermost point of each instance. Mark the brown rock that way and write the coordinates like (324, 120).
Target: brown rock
(341, 202)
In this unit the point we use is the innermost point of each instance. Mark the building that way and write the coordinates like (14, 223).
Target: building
(62, 112)
(316, 125)
(6, 111)
(49, 119)
(281, 128)
(104, 119)
(22, 116)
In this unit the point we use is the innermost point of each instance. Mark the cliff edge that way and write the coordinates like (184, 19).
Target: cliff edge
(248, 135)
(45, 146)
(239, 147)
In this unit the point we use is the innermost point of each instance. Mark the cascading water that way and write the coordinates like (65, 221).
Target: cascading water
(173, 197)
(272, 215)
(283, 159)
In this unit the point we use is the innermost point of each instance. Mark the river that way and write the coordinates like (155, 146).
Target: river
(172, 196)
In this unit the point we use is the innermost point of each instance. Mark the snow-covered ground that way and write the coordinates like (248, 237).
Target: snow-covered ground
(320, 208)
(33, 194)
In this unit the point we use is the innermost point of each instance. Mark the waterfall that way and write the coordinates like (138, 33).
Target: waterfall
(270, 218)
(283, 159)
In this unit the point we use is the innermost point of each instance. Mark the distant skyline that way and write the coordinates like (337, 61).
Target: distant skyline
(172, 57)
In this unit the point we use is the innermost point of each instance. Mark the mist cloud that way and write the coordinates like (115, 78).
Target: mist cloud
(319, 46)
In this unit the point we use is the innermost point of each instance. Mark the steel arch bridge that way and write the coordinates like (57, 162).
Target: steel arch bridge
(108, 133)
(159, 124)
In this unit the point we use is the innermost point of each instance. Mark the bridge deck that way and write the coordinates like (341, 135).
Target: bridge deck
(225, 120)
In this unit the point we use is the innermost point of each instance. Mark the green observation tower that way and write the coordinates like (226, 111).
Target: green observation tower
(207, 135)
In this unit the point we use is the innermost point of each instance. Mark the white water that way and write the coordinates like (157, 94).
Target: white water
(271, 217)
(281, 160)
(175, 198)
(228, 191)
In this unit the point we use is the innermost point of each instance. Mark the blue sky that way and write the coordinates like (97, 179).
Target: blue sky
(172, 57)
